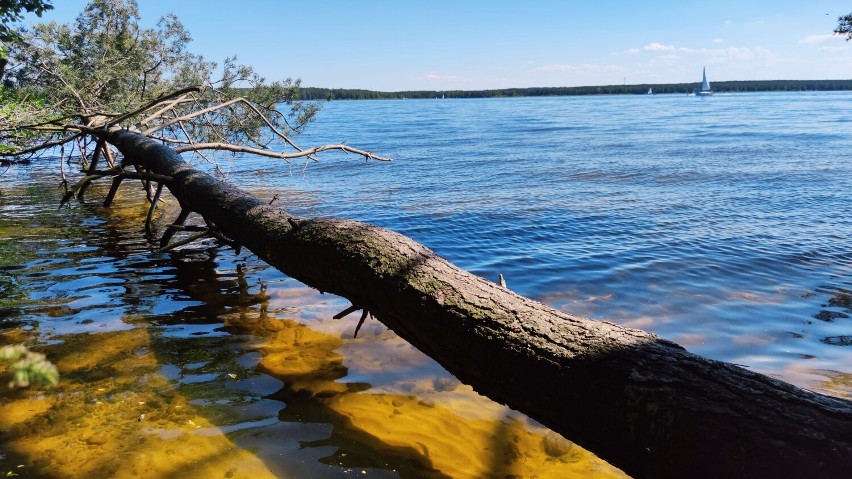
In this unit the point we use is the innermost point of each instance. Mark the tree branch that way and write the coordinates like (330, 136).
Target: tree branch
(169, 106)
(273, 154)
(152, 104)
(43, 146)
(62, 80)
(189, 116)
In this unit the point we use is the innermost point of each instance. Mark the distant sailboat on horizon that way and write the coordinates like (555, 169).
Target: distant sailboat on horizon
(705, 85)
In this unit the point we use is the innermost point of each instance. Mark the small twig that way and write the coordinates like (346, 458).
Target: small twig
(178, 224)
(108, 156)
(166, 139)
(189, 116)
(76, 95)
(62, 166)
(84, 182)
(361, 322)
(54, 121)
(99, 146)
(159, 113)
(146, 184)
(187, 227)
(152, 104)
(226, 241)
(185, 241)
(113, 190)
(82, 147)
(153, 207)
(285, 156)
(352, 309)
(134, 175)
(347, 311)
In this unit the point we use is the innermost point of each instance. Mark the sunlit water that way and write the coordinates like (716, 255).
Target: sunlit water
(719, 223)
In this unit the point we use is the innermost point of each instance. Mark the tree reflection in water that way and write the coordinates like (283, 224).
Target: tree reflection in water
(200, 363)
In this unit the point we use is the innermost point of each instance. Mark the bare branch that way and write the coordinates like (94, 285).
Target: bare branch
(169, 106)
(99, 147)
(59, 77)
(273, 154)
(228, 103)
(190, 116)
(185, 241)
(54, 121)
(166, 139)
(43, 146)
(270, 125)
(152, 104)
(153, 207)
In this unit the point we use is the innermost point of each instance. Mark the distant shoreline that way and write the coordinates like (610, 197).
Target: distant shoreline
(314, 93)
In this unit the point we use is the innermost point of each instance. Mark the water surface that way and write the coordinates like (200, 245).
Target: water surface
(200, 363)
(720, 223)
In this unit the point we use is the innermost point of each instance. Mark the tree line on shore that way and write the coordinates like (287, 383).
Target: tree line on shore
(314, 93)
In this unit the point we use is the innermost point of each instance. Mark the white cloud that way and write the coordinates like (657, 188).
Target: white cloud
(433, 76)
(665, 60)
(738, 54)
(718, 40)
(654, 47)
(836, 48)
(658, 47)
(586, 67)
(811, 39)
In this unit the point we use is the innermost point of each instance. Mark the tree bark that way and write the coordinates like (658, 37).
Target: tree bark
(640, 402)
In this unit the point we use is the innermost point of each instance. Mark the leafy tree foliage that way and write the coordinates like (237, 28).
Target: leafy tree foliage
(105, 70)
(27, 368)
(311, 93)
(12, 11)
(844, 26)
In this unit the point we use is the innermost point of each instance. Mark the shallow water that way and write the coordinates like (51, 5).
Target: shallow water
(719, 223)
(202, 363)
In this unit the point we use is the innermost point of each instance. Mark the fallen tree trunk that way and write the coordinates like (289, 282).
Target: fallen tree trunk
(640, 402)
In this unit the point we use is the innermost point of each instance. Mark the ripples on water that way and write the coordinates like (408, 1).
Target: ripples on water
(720, 223)
(201, 363)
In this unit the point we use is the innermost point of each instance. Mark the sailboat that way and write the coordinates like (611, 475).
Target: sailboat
(705, 85)
(650, 91)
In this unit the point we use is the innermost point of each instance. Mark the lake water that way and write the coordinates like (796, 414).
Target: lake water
(720, 223)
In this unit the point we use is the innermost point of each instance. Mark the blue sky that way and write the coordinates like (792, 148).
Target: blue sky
(442, 45)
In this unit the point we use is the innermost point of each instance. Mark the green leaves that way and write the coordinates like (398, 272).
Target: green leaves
(105, 70)
(28, 368)
(844, 26)
(105, 62)
(12, 11)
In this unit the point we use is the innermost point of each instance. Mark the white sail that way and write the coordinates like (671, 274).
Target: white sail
(705, 89)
